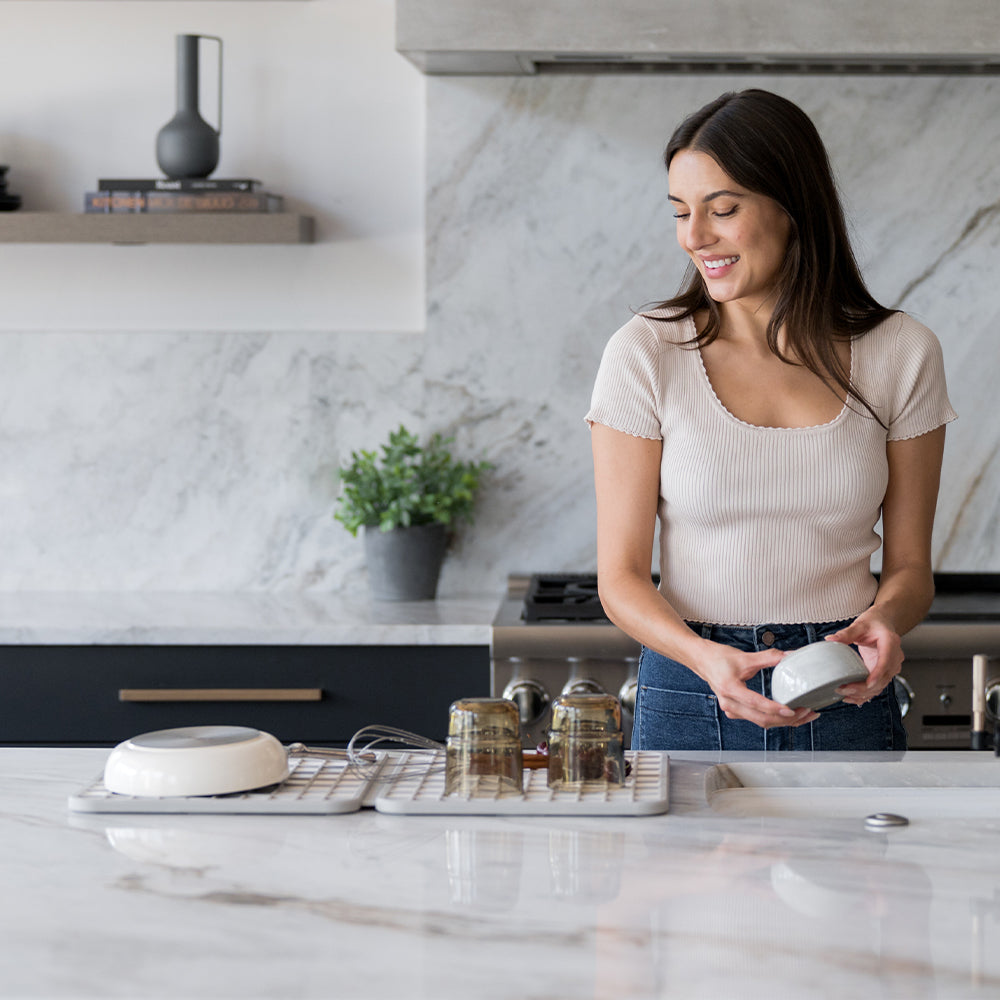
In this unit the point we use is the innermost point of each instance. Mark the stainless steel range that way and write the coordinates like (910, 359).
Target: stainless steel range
(551, 636)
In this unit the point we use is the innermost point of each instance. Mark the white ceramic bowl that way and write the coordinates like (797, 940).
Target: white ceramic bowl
(808, 677)
(196, 760)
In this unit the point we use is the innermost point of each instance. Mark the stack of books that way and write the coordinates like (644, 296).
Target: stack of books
(234, 194)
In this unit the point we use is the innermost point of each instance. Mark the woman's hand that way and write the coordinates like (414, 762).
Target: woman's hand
(727, 670)
(880, 648)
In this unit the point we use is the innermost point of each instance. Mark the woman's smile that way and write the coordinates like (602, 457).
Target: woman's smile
(717, 266)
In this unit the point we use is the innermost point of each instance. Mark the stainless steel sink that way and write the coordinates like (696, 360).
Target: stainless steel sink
(917, 785)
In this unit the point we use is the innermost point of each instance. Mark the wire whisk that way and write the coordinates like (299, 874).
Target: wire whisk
(378, 735)
(363, 755)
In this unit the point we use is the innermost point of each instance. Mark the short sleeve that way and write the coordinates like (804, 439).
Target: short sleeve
(627, 389)
(919, 401)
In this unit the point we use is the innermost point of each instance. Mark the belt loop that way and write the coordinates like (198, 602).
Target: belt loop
(810, 632)
(706, 631)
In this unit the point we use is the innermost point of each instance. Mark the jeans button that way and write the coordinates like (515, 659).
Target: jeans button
(767, 637)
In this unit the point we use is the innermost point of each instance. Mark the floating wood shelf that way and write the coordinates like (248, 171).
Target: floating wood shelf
(209, 227)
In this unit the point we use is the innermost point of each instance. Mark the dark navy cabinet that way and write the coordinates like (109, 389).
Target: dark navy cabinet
(101, 695)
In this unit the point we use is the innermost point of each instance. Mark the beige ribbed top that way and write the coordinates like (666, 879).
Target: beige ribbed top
(766, 525)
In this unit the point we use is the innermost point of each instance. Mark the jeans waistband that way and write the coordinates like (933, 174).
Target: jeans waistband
(781, 636)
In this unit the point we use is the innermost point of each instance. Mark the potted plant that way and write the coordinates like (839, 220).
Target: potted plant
(407, 499)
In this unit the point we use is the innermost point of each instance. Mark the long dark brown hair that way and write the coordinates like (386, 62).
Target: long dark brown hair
(770, 146)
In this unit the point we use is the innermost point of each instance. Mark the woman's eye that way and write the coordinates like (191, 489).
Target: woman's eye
(718, 215)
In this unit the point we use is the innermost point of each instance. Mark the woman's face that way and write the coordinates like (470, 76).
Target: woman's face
(736, 238)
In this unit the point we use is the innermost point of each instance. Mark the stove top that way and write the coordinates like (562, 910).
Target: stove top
(563, 597)
(572, 597)
(547, 615)
(966, 597)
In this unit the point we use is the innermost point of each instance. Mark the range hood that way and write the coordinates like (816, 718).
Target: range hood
(700, 36)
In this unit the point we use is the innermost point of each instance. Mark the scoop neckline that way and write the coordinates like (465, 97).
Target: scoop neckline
(764, 427)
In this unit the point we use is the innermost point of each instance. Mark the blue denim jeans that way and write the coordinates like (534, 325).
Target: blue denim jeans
(677, 710)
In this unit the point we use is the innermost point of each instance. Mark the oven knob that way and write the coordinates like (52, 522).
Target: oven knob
(628, 693)
(531, 698)
(904, 693)
(993, 700)
(945, 699)
(582, 685)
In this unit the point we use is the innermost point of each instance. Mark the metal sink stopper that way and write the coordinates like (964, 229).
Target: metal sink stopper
(884, 821)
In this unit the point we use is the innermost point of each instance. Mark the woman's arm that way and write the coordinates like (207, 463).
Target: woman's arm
(906, 584)
(627, 483)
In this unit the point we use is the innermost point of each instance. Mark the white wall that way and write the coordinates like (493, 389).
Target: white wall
(317, 104)
(172, 418)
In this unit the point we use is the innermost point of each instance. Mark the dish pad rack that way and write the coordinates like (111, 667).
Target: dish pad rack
(314, 786)
(415, 786)
(405, 783)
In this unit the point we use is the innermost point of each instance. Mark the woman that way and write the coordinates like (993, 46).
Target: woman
(768, 416)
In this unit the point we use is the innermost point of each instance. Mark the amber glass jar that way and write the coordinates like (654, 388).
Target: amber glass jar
(585, 741)
(483, 755)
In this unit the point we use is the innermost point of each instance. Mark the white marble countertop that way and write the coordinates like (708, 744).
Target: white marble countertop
(258, 618)
(690, 904)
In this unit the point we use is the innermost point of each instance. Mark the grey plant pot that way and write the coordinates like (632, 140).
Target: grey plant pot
(404, 564)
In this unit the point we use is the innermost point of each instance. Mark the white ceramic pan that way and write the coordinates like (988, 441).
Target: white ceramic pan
(196, 760)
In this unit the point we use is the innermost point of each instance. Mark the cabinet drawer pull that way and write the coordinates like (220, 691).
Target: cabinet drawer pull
(220, 694)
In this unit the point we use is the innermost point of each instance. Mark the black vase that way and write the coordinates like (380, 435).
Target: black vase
(187, 146)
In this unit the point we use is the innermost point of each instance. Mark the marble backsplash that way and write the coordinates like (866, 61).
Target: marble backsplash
(152, 461)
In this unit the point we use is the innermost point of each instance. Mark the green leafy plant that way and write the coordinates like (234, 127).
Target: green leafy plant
(407, 485)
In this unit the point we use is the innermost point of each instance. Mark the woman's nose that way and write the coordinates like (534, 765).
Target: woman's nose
(699, 233)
